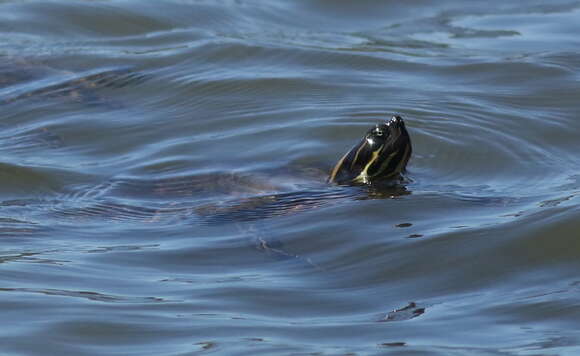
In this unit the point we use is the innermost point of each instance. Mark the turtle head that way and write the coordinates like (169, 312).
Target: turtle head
(382, 153)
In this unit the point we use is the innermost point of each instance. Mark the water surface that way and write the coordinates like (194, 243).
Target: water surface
(130, 129)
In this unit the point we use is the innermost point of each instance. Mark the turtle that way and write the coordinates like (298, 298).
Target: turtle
(375, 166)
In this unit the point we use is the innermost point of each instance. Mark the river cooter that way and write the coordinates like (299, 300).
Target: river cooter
(372, 169)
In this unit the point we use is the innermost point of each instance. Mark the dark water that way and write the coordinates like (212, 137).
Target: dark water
(133, 222)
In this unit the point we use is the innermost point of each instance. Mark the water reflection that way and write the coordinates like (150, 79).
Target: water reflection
(20, 79)
(147, 177)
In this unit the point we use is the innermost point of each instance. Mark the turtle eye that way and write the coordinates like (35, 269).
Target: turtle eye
(378, 132)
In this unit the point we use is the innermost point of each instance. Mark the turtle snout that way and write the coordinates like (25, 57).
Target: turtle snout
(396, 120)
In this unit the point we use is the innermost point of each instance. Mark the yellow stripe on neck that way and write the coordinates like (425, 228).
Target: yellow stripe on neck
(363, 176)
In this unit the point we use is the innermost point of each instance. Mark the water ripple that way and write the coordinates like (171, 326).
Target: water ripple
(164, 163)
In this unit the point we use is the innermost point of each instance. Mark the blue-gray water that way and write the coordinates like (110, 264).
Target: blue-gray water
(118, 118)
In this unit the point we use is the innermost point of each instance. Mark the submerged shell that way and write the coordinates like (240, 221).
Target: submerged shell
(213, 199)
